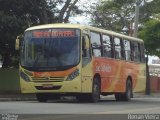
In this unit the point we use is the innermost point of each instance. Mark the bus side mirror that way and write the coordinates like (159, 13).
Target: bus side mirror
(85, 45)
(87, 42)
(18, 41)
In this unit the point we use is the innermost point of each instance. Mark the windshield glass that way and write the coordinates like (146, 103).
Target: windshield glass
(51, 49)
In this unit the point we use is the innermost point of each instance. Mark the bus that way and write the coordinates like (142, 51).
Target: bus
(82, 61)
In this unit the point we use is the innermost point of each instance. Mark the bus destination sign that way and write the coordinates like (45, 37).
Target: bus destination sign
(67, 33)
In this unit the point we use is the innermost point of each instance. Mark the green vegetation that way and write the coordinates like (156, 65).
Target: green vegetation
(151, 36)
(17, 15)
(9, 80)
(114, 14)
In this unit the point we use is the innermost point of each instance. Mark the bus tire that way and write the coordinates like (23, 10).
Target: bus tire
(95, 95)
(91, 97)
(128, 93)
(42, 97)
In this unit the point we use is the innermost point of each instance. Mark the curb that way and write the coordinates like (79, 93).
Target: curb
(17, 97)
(152, 95)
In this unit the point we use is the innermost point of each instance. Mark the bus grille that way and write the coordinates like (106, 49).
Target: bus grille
(48, 79)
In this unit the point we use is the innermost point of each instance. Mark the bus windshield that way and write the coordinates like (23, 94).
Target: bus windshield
(50, 49)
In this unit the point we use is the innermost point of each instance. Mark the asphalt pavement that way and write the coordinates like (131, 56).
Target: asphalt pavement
(32, 97)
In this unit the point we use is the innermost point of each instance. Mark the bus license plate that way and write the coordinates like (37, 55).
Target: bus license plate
(47, 85)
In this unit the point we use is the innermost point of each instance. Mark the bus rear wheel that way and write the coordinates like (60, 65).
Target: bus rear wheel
(128, 93)
(42, 97)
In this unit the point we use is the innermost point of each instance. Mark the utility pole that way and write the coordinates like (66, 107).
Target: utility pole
(136, 19)
(148, 89)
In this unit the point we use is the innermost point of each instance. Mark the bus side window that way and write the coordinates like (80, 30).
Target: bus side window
(107, 45)
(136, 52)
(96, 44)
(117, 48)
(142, 53)
(127, 49)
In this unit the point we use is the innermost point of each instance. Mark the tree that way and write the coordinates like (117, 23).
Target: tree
(119, 14)
(149, 10)
(17, 15)
(114, 14)
(150, 33)
(65, 12)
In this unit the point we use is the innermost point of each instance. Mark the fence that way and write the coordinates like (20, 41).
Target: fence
(155, 83)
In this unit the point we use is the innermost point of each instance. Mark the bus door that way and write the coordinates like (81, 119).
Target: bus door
(87, 72)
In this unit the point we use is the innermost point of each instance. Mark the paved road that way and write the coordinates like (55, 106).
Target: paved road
(71, 108)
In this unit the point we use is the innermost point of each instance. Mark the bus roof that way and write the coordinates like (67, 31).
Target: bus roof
(64, 25)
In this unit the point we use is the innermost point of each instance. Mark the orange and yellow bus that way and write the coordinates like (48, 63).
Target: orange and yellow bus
(81, 61)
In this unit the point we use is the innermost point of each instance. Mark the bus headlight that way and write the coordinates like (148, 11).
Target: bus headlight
(24, 76)
(73, 75)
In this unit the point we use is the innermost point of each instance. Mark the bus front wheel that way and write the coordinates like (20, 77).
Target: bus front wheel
(95, 95)
(91, 97)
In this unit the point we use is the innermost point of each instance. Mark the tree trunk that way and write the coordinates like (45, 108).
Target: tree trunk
(63, 10)
(69, 11)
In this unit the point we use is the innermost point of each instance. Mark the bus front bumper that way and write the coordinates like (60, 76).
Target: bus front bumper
(73, 86)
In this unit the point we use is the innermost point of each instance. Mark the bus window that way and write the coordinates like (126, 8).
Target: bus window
(107, 46)
(136, 52)
(142, 53)
(127, 49)
(96, 44)
(117, 48)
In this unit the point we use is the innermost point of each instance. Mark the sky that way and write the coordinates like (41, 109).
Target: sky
(83, 19)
